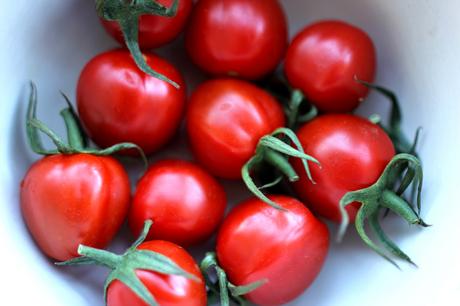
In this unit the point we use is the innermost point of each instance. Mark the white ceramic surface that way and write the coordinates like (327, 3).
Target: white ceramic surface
(49, 41)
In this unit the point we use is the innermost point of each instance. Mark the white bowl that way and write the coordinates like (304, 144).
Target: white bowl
(418, 44)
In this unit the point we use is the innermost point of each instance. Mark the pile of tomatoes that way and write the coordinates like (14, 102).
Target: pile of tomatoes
(248, 122)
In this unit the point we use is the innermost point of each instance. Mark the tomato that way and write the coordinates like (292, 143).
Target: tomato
(185, 203)
(155, 31)
(225, 120)
(68, 200)
(119, 103)
(323, 61)
(285, 248)
(353, 153)
(244, 38)
(168, 290)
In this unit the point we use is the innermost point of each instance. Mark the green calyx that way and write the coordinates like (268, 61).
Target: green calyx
(124, 266)
(127, 13)
(394, 129)
(297, 108)
(77, 140)
(275, 150)
(387, 193)
(221, 290)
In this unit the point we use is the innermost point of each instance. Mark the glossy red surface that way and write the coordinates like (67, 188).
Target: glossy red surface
(285, 248)
(323, 61)
(168, 290)
(119, 103)
(71, 200)
(225, 120)
(353, 153)
(244, 38)
(185, 203)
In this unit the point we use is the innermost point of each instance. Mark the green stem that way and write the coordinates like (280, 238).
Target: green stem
(127, 14)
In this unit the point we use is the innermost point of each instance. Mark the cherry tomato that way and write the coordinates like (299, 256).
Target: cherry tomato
(155, 31)
(353, 153)
(323, 61)
(185, 203)
(68, 200)
(119, 103)
(168, 290)
(244, 38)
(285, 248)
(225, 120)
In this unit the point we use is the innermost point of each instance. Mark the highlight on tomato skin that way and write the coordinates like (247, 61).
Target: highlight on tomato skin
(325, 59)
(287, 248)
(155, 31)
(167, 289)
(117, 102)
(225, 120)
(241, 38)
(185, 203)
(353, 153)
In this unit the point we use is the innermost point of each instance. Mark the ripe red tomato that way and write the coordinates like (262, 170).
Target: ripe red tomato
(323, 61)
(155, 31)
(352, 151)
(225, 120)
(285, 248)
(185, 203)
(167, 289)
(119, 103)
(68, 200)
(244, 38)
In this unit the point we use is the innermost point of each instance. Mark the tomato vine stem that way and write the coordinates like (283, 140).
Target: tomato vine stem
(381, 196)
(124, 266)
(127, 14)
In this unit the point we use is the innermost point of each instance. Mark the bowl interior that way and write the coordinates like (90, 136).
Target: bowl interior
(50, 41)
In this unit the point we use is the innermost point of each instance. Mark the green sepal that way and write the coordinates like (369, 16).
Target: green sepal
(222, 288)
(394, 129)
(276, 149)
(297, 108)
(77, 140)
(124, 266)
(380, 196)
(127, 14)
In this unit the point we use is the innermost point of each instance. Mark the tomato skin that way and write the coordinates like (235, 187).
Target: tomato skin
(323, 60)
(168, 290)
(68, 200)
(225, 120)
(185, 203)
(353, 153)
(287, 248)
(119, 103)
(155, 31)
(244, 38)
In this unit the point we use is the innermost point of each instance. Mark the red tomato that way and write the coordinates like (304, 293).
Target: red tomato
(353, 153)
(285, 248)
(168, 290)
(155, 31)
(245, 38)
(68, 200)
(323, 61)
(119, 103)
(185, 203)
(225, 120)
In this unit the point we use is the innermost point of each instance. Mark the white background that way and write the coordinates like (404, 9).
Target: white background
(49, 41)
